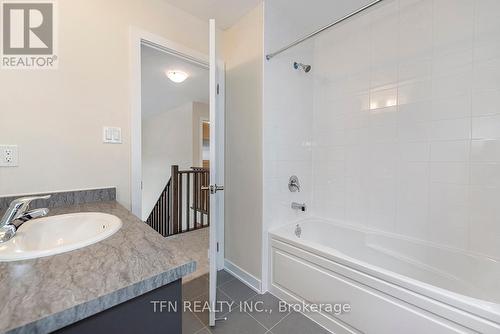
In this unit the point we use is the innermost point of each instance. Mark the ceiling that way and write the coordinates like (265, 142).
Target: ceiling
(225, 12)
(159, 93)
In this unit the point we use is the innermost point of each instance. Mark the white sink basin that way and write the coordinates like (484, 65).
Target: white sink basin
(58, 234)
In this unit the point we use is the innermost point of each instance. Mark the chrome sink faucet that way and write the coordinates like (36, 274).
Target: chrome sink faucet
(18, 211)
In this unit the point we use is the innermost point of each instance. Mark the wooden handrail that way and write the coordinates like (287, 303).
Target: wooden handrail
(182, 206)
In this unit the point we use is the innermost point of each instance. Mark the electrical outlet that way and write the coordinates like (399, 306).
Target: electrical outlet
(9, 156)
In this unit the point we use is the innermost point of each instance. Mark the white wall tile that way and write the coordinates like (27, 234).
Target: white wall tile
(451, 107)
(485, 174)
(384, 76)
(443, 195)
(449, 172)
(485, 229)
(449, 226)
(486, 127)
(414, 92)
(484, 205)
(414, 152)
(399, 127)
(412, 199)
(450, 151)
(484, 242)
(386, 98)
(416, 132)
(487, 30)
(487, 74)
(453, 24)
(412, 113)
(415, 30)
(485, 151)
(448, 62)
(486, 103)
(414, 70)
(487, 26)
(457, 83)
(451, 129)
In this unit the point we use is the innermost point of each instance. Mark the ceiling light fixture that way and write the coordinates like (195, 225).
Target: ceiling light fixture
(177, 76)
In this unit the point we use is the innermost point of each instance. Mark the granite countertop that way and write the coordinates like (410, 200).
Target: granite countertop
(46, 294)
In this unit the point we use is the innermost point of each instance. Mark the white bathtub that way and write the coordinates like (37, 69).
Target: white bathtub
(394, 285)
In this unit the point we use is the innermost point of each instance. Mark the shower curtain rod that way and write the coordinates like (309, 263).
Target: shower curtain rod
(271, 55)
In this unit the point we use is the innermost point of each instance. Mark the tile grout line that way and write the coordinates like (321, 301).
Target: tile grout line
(207, 293)
(268, 329)
(201, 322)
(201, 329)
(280, 321)
(197, 296)
(244, 301)
(255, 294)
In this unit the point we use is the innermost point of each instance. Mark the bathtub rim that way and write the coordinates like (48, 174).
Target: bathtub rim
(489, 311)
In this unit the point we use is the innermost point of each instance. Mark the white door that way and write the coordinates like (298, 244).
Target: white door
(216, 168)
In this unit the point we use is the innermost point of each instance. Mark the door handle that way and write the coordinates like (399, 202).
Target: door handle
(213, 188)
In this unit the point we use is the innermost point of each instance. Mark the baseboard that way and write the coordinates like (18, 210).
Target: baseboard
(247, 278)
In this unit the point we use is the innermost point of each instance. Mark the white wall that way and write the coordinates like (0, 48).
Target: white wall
(243, 53)
(56, 117)
(405, 131)
(167, 139)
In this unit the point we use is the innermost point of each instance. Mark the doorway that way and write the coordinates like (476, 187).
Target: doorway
(174, 101)
(178, 211)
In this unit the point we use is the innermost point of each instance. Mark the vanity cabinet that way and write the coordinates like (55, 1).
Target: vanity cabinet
(136, 315)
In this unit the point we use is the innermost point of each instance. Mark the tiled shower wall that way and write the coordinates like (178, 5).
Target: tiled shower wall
(288, 119)
(406, 121)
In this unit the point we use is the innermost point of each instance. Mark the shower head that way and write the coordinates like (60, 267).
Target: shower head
(305, 68)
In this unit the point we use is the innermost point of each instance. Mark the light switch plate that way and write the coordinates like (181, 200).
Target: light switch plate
(111, 135)
(9, 156)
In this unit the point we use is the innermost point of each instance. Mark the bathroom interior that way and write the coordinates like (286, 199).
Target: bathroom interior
(347, 183)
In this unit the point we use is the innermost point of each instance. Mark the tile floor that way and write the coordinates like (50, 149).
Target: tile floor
(240, 322)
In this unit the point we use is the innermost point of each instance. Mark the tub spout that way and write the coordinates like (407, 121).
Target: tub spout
(299, 206)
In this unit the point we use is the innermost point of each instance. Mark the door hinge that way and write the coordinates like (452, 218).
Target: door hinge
(217, 89)
(217, 247)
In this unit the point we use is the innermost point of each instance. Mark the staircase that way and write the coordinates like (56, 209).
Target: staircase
(183, 206)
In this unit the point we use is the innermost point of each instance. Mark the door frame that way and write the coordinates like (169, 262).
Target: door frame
(200, 128)
(138, 37)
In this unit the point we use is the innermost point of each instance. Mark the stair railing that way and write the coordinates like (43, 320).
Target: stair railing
(182, 206)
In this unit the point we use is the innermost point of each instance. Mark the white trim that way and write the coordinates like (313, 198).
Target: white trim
(264, 223)
(244, 276)
(137, 38)
(221, 76)
(200, 142)
(214, 164)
